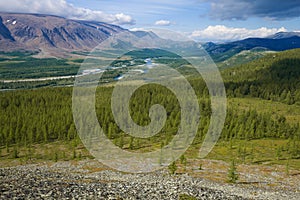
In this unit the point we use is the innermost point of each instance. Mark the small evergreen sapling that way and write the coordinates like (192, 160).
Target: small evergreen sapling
(232, 173)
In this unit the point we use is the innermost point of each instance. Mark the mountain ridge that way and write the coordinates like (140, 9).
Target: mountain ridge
(54, 33)
(221, 52)
(281, 35)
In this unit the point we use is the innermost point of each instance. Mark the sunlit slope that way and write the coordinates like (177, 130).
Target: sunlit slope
(274, 77)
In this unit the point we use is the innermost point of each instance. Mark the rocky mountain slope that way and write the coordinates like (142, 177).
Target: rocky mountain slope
(36, 32)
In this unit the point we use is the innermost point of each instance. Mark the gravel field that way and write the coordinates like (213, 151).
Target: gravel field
(91, 180)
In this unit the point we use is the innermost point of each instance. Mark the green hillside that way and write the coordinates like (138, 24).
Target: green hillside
(273, 77)
(242, 58)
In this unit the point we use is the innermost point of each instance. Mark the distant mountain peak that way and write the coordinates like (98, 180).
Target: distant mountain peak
(141, 34)
(282, 35)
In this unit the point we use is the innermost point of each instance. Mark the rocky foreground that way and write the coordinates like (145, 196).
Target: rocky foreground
(91, 180)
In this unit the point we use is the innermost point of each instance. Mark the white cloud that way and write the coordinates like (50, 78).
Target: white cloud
(221, 33)
(65, 9)
(163, 23)
(138, 29)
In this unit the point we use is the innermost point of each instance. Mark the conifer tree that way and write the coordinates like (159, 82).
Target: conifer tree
(172, 168)
(232, 173)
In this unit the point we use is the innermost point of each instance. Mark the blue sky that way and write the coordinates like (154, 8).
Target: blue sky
(203, 20)
(185, 15)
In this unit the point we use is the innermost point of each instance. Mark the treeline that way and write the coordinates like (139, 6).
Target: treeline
(36, 84)
(29, 67)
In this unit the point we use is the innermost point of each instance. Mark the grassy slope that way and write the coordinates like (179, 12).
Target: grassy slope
(254, 70)
(291, 112)
(242, 58)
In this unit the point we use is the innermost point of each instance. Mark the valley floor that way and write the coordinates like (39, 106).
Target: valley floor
(88, 179)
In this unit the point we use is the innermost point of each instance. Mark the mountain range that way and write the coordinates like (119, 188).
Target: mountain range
(55, 36)
(279, 42)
